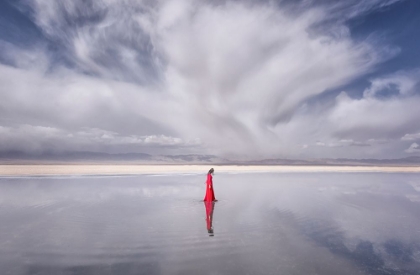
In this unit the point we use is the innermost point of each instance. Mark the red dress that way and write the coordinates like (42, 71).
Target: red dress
(209, 189)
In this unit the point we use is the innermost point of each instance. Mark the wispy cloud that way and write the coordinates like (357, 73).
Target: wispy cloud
(237, 76)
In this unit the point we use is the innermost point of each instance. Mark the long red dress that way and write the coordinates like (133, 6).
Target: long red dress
(209, 189)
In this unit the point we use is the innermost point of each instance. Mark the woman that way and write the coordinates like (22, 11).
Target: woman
(209, 187)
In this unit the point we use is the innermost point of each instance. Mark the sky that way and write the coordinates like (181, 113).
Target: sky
(242, 79)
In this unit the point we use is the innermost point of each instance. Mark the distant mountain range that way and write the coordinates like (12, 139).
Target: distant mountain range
(411, 161)
(18, 157)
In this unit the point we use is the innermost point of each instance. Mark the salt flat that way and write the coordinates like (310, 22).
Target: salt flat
(107, 169)
(263, 223)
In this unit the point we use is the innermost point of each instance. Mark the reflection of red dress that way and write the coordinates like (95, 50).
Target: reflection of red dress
(209, 215)
(209, 189)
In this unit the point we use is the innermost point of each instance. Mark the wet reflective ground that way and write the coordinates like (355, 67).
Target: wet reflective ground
(266, 223)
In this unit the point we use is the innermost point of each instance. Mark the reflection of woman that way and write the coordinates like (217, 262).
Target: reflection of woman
(209, 187)
(209, 216)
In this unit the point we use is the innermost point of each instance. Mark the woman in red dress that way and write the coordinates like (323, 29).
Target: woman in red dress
(209, 187)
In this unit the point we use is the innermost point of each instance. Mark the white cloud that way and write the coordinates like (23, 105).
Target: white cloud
(404, 83)
(243, 70)
(414, 148)
(369, 126)
(36, 139)
(374, 118)
(343, 143)
(411, 136)
(233, 78)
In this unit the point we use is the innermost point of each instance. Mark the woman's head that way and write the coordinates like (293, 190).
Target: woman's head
(211, 171)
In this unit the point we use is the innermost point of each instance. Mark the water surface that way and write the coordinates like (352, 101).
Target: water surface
(263, 223)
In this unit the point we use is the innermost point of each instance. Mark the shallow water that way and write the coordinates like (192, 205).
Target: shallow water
(264, 223)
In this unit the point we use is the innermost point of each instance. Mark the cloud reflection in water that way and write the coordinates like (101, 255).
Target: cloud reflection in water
(321, 223)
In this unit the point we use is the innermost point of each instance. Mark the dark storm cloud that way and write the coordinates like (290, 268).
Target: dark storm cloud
(233, 77)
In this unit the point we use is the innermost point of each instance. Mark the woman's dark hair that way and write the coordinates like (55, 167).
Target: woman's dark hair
(211, 171)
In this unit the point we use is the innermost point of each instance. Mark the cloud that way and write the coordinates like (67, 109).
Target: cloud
(414, 148)
(411, 136)
(344, 143)
(379, 115)
(234, 76)
(357, 8)
(249, 69)
(401, 83)
(102, 38)
(372, 117)
(37, 139)
(373, 122)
